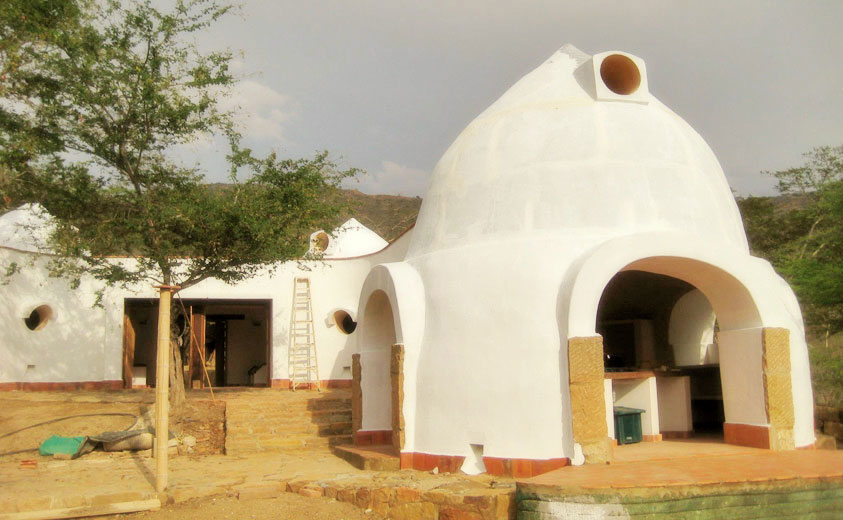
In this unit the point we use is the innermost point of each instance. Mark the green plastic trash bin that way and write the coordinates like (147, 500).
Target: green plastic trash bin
(627, 424)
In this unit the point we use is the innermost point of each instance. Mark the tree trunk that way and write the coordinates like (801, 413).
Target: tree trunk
(177, 396)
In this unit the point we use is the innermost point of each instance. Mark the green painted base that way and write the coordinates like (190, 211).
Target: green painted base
(803, 499)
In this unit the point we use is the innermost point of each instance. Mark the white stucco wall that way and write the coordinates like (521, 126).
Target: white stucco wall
(85, 343)
(73, 346)
(674, 396)
(691, 330)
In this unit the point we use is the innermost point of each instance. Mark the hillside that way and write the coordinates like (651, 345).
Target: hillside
(386, 215)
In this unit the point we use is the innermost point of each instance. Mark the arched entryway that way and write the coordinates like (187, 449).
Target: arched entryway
(377, 373)
(753, 359)
(660, 355)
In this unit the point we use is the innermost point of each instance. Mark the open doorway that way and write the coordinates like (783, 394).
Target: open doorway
(660, 355)
(226, 342)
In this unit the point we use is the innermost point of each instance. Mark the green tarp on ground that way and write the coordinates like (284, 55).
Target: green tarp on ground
(68, 446)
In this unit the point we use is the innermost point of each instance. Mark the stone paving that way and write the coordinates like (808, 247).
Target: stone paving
(99, 479)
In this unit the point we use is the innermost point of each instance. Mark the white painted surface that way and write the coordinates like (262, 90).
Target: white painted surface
(350, 240)
(581, 511)
(691, 330)
(26, 228)
(84, 343)
(609, 398)
(641, 394)
(741, 376)
(674, 397)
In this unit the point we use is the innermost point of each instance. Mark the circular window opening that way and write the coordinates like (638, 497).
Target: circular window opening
(620, 74)
(345, 322)
(39, 317)
(320, 242)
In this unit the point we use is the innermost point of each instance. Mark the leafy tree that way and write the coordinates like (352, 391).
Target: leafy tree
(801, 234)
(94, 98)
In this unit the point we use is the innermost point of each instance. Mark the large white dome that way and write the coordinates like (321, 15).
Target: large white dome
(578, 145)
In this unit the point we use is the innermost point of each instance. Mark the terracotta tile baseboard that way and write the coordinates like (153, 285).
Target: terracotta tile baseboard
(518, 468)
(748, 435)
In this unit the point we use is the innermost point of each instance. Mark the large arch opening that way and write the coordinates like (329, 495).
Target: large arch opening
(377, 336)
(753, 357)
(660, 355)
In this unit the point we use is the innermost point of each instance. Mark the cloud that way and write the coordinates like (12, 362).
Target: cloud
(392, 178)
(262, 111)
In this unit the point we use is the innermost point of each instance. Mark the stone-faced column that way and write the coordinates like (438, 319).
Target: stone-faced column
(778, 387)
(356, 395)
(396, 376)
(588, 406)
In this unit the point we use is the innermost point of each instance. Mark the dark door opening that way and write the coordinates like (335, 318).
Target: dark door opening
(226, 342)
(634, 319)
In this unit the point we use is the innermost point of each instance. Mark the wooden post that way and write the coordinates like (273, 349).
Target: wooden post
(162, 387)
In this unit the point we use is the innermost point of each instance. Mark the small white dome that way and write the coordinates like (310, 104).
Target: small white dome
(577, 145)
(26, 228)
(349, 240)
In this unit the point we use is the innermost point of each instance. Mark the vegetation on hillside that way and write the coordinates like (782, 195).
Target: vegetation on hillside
(801, 234)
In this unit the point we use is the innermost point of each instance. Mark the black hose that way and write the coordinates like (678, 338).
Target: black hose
(18, 452)
(123, 414)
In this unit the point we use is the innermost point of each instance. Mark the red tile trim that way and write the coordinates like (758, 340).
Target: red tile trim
(494, 465)
(62, 387)
(323, 383)
(812, 446)
(652, 438)
(372, 437)
(747, 435)
(406, 460)
(677, 434)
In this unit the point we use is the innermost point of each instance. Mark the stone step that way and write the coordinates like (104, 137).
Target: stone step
(263, 428)
(373, 458)
(271, 421)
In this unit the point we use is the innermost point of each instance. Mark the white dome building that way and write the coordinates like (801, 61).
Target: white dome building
(575, 211)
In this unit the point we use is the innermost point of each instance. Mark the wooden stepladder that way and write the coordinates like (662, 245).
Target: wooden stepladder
(302, 363)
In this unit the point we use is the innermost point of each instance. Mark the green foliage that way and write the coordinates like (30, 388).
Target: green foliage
(95, 97)
(827, 370)
(804, 242)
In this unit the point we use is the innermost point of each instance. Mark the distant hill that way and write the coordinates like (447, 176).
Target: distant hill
(386, 215)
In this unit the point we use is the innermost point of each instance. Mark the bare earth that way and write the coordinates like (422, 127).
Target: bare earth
(288, 506)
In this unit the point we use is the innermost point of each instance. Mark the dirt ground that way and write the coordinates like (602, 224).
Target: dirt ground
(21, 435)
(288, 506)
(70, 414)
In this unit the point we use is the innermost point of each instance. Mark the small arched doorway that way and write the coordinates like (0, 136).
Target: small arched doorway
(372, 367)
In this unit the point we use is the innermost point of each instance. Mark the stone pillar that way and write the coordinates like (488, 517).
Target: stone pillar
(588, 406)
(778, 387)
(356, 395)
(396, 377)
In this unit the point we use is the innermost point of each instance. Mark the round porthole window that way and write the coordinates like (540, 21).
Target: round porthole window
(39, 317)
(620, 74)
(345, 323)
(319, 243)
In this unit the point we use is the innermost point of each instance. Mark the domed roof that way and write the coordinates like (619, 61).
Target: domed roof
(26, 228)
(350, 239)
(577, 145)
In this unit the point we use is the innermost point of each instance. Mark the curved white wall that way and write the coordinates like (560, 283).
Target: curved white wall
(691, 330)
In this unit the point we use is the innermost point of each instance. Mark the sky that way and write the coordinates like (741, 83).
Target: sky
(387, 85)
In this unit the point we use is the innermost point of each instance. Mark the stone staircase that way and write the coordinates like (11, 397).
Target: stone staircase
(271, 420)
